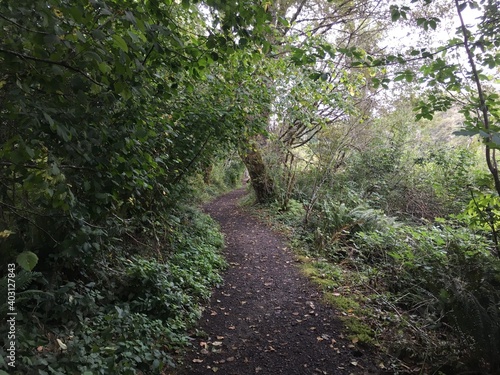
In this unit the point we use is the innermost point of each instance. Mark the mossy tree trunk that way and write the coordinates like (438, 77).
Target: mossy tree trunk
(262, 182)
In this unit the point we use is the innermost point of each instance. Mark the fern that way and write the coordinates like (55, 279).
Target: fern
(476, 314)
(23, 280)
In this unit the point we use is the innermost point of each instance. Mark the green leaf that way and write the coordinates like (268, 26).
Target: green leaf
(49, 119)
(395, 14)
(27, 260)
(120, 42)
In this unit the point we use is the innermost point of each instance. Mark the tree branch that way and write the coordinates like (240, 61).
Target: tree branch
(490, 154)
(52, 62)
(23, 27)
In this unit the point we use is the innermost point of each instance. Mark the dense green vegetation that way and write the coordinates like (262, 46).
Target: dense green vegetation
(117, 117)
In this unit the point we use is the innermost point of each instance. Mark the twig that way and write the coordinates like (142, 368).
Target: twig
(47, 61)
(23, 27)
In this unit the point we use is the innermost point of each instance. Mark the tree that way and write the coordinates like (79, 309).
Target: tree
(106, 107)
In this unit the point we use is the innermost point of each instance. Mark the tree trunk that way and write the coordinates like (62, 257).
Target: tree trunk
(262, 183)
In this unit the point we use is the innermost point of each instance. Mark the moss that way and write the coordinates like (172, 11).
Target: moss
(329, 276)
(358, 330)
(343, 303)
(303, 259)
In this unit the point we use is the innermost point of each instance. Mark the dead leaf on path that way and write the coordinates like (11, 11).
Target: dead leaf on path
(258, 369)
(213, 313)
(243, 302)
(354, 363)
(217, 343)
(215, 369)
(355, 340)
(230, 359)
(220, 337)
(203, 344)
(197, 360)
(231, 327)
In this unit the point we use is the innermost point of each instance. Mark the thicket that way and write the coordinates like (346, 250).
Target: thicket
(399, 241)
(110, 112)
(128, 312)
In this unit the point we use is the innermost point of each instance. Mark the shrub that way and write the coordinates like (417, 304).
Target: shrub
(128, 313)
(447, 275)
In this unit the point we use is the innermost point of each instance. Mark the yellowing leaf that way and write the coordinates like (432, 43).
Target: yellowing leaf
(5, 233)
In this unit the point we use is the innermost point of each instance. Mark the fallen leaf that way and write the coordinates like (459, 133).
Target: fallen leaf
(61, 344)
(230, 359)
(217, 343)
(220, 337)
(354, 363)
(231, 327)
(197, 360)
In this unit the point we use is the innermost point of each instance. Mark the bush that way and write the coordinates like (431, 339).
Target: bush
(447, 275)
(128, 313)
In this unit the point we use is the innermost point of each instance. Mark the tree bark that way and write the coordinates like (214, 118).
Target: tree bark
(262, 182)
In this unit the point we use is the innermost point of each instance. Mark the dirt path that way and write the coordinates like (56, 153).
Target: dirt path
(267, 319)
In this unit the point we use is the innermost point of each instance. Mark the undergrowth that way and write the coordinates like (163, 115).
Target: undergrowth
(427, 294)
(125, 315)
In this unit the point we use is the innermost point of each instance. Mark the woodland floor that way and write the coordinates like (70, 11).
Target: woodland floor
(267, 318)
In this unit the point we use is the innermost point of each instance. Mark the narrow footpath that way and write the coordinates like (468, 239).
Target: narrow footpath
(267, 318)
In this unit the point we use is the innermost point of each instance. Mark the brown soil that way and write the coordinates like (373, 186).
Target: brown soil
(267, 318)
